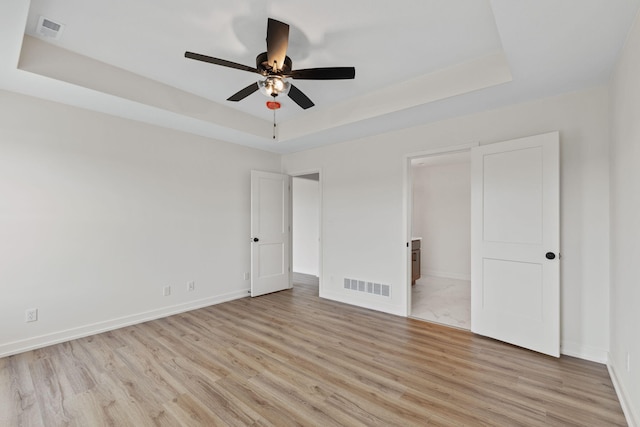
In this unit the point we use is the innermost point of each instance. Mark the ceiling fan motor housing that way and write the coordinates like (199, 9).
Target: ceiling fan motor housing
(262, 64)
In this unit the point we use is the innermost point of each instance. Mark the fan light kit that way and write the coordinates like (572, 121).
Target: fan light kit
(275, 66)
(274, 86)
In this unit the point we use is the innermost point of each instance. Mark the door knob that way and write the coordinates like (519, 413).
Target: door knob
(255, 239)
(550, 255)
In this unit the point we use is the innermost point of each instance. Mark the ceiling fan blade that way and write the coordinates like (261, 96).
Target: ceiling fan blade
(329, 73)
(218, 61)
(242, 94)
(277, 43)
(300, 98)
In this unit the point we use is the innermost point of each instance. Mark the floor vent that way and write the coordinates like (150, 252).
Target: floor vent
(368, 287)
(48, 28)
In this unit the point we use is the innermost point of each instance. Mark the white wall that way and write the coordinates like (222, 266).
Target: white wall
(98, 214)
(364, 219)
(306, 225)
(625, 224)
(442, 217)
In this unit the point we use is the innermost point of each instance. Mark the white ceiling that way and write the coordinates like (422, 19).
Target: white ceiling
(416, 60)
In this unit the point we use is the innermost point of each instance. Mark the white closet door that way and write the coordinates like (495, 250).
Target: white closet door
(270, 228)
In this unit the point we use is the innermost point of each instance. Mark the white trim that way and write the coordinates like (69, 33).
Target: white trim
(581, 351)
(320, 216)
(447, 275)
(33, 343)
(407, 206)
(441, 151)
(632, 419)
(385, 308)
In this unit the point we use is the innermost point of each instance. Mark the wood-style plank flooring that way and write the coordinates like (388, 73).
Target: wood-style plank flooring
(290, 358)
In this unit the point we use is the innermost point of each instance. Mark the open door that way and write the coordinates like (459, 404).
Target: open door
(515, 239)
(270, 229)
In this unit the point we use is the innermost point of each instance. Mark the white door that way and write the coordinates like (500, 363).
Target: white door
(270, 228)
(515, 239)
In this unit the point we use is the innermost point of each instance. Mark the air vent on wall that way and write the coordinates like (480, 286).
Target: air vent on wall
(368, 287)
(48, 28)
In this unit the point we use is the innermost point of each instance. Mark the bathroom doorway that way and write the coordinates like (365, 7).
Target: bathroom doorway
(441, 229)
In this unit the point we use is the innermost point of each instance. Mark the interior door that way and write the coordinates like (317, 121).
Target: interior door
(515, 239)
(270, 229)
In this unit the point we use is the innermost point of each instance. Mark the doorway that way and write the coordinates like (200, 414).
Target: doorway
(515, 239)
(305, 207)
(441, 239)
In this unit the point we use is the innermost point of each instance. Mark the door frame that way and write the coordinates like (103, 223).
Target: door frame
(408, 205)
(320, 224)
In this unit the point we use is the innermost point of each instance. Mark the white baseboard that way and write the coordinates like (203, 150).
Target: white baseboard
(304, 278)
(20, 346)
(632, 418)
(381, 306)
(446, 274)
(584, 352)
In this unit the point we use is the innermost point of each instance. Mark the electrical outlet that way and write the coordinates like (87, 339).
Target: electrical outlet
(31, 315)
(246, 276)
(191, 286)
(166, 291)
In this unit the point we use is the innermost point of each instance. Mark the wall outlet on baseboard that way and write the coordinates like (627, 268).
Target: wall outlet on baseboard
(246, 276)
(191, 286)
(166, 291)
(31, 315)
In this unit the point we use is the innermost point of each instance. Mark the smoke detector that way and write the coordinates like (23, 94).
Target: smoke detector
(48, 28)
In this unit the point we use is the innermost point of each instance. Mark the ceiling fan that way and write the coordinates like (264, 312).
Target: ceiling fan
(275, 67)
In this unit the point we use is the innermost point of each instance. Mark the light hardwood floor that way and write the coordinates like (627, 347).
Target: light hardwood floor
(290, 358)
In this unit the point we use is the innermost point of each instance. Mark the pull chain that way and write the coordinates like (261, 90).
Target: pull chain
(274, 105)
(274, 124)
